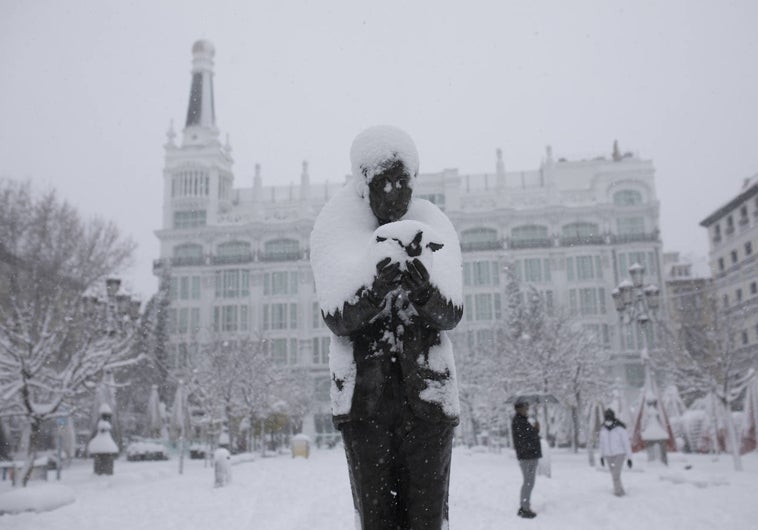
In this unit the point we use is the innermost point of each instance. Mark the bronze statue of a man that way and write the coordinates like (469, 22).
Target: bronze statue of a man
(388, 275)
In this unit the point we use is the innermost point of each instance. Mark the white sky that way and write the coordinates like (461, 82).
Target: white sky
(89, 87)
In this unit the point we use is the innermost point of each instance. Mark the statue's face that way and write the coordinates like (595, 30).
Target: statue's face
(389, 193)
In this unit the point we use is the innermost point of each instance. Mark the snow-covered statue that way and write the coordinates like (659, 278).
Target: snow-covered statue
(222, 467)
(388, 275)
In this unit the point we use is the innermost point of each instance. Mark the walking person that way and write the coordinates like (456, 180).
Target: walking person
(615, 448)
(526, 441)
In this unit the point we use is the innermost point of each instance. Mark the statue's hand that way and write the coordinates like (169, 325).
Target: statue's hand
(416, 282)
(387, 279)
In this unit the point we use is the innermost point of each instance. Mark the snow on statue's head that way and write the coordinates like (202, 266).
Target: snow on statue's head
(378, 148)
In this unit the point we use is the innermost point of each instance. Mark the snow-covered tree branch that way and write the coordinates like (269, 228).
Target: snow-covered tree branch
(56, 338)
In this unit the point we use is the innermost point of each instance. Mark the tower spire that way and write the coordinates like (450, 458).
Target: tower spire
(200, 127)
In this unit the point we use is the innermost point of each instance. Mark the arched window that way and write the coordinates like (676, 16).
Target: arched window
(233, 252)
(627, 198)
(530, 236)
(580, 230)
(479, 239)
(233, 248)
(526, 232)
(188, 254)
(281, 250)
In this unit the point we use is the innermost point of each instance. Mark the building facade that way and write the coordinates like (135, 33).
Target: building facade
(237, 256)
(691, 302)
(733, 238)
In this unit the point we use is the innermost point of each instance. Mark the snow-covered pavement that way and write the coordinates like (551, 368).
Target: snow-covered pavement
(282, 493)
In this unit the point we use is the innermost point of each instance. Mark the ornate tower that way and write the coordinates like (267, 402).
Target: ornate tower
(198, 178)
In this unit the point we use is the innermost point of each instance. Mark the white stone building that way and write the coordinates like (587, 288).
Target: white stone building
(238, 256)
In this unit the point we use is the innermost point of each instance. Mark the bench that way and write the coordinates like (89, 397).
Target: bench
(12, 470)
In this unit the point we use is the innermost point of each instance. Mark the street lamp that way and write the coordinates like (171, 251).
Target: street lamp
(114, 318)
(636, 303)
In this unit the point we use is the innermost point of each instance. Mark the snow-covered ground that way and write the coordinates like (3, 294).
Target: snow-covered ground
(281, 493)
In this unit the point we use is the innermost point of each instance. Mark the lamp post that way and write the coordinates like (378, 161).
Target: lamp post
(114, 317)
(636, 304)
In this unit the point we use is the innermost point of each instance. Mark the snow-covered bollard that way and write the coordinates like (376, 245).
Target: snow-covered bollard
(103, 449)
(222, 467)
(543, 466)
(301, 445)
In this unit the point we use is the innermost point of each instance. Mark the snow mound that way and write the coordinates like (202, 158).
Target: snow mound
(696, 479)
(36, 498)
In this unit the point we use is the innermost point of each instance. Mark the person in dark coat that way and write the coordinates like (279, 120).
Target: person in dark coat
(526, 441)
(396, 403)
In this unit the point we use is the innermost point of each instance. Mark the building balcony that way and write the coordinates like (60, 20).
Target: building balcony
(291, 255)
(194, 261)
(582, 240)
(635, 238)
(481, 245)
(241, 259)
(232, 260)
(530, 243)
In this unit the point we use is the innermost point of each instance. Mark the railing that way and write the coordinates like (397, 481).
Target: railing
(291, 255)
(634, 238)
(530, 243)
(188, 261)
(481, 245)
(195, 261)
(581, 240)
(179, 262)
(230, 260)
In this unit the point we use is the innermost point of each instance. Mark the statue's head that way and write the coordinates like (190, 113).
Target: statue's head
(389, 192)
(385, 165)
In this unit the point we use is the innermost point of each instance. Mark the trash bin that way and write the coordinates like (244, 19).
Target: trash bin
(104, 463)
(301, 445)
(103, 449)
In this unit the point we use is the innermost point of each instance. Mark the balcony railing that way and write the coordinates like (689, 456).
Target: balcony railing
(582, 240)
(290, 255)
(531, 243)
(473, 246)
(231, 260)
(635, 238)
(241, 259)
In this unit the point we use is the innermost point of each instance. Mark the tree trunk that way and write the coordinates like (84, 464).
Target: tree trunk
(731, 432)
(575, 429)
(31, 453)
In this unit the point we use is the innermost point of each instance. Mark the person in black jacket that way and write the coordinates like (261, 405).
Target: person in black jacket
(526, 441)
(398, 429)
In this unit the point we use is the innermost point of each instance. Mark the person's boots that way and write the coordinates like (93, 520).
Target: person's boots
(526, 513)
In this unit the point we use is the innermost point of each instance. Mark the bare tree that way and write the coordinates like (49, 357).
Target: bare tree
(55, 342)
(256, 384)
(710, 359)
(586, 379)
(550, 352)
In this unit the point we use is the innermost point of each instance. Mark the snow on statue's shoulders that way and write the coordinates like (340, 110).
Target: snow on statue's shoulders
(340, 242)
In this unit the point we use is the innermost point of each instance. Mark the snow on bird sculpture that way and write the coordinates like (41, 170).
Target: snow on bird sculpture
(404, 241)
